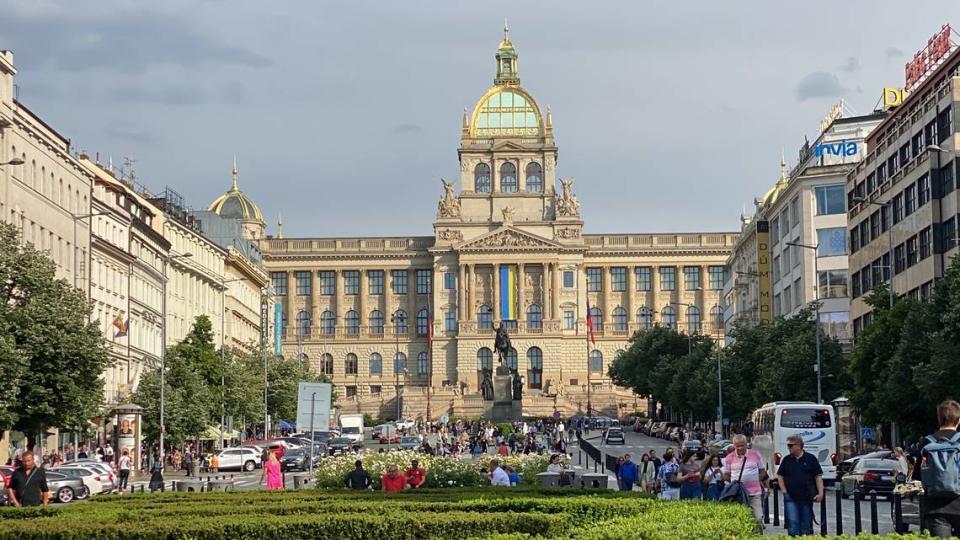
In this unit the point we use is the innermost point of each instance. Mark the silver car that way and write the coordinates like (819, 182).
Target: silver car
(64, 488)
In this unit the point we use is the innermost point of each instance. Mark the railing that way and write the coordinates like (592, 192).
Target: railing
(899, 519)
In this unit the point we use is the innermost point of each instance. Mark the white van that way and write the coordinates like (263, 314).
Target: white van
(814, 423)
(351, 427)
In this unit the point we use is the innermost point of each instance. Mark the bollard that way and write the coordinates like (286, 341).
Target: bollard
(766, 507)
(898, 513)
(163, 487)
(823, 514)
(874, 522)
(857, 526)
(839, 504)
(776, 507)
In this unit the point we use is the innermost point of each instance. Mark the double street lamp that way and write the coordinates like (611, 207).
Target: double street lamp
(816, 288)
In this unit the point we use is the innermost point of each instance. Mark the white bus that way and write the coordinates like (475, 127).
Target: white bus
(814, 423)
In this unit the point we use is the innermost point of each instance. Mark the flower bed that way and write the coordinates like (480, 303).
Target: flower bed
(441, 471)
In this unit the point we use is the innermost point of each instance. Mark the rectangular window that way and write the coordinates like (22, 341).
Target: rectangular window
(375, 389)
(926, 243)
(641, 275)
(796, 252)
(594, 279)
(279, 282)
(328, 283)
(776, 269)
(854, 240)
(785, 224)
(909, 200)
(717, 275)
(785, 258)
(569, 320)
(450, 321)
(948, 233)
(797, 293)
(618, 278)
(833, 284)
(899, 259)
(375, 281)
(944, 125)
(912, 251)
(875, 224)
(449, 280)
(668, 278)
(351, 391)
(898, 208)
(830, 200)
(831, 241)
(864, 233)
(855, 282)
(947, 183)
(351, 282)
(884, 218)
(777, 306)
(568, 279)
(787, 308)
(774, 230)
(399, 281)
(795, 210)
(691, 278)
(303, 282)
(923, 190)
(424, 281)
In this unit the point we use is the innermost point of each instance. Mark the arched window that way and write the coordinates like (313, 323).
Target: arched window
(534, 368)
(619, 319)
(645, 317)
(481, 178)
(596, 361)
(508, 178)
(350, 366)
(597, 317)
(376, 364)
(400, 363)
(326, 366)
(352, 321)
(376, 322)
(693, 320)
(485, 318)
(512, 358)
(422, 363)
(668, 316)
(716, 317)
(484, 359)
(303, 323)
(534, 317)
(423, 321)
(534, 177)
(399, 321)
(328, 322)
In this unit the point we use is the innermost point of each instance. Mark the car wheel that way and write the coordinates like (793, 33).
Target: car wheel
(65, 494)
(249, 466)
(84, 493)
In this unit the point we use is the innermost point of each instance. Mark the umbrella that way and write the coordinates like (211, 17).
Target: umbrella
(286, 425)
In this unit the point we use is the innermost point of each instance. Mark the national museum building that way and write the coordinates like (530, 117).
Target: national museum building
(409, 321)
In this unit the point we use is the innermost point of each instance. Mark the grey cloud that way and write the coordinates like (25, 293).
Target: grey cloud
(819, 84)
(852, 65)
(234, 93)
(407, 128)
(170, 95)
(126, 131)
(893, 52)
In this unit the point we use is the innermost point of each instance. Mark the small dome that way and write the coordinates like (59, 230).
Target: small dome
(234, 204)
(505, 112)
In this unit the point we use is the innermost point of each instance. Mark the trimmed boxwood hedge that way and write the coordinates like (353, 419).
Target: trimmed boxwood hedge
(475, 513)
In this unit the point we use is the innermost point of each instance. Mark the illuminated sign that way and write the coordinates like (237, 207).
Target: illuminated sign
(840, 148)
(926, 59)
(763, 271)
(892, 97)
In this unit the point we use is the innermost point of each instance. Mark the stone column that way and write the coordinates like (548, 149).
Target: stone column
(496, 293)
(362, 304)
(340, 312)
(607, 295)
(521, 313)
(469, 284)
(314, 301)
(291, 305)
(628, 297)
(654, 293)
(554, 291)
(411, 304)
(461, 293)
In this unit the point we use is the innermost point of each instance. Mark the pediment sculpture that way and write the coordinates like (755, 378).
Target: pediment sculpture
(449, 205)
(508, 238)
(567, 203)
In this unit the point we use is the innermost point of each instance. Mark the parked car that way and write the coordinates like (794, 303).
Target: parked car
(409, 443)
(391, 438)
(94, 483)
(846, 465)
(297, 459)
(615, 436)
(64, 488)
(870, 475)
(384, 430)
(245, 458)
(105, 472)
(341, 445)
(405, 423)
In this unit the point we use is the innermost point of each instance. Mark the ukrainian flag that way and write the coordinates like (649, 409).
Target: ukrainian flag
(508, 292)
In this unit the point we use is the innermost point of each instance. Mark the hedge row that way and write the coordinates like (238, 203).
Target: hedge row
(487, 513)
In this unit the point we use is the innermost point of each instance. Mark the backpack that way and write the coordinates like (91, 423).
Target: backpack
(940, 469)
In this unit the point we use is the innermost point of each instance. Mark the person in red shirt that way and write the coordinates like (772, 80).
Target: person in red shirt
(503, 449)
(393, 481)
(416, 475)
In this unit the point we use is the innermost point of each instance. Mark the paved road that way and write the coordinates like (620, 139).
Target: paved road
(637, 443)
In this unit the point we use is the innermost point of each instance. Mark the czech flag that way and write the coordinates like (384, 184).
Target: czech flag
(122, 326)
(590, 335)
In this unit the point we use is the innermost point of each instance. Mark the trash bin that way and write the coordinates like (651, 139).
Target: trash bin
(594, 481)
(220, 485)
(301, 480)
(568, 477)
(548, 479)
(189, 485)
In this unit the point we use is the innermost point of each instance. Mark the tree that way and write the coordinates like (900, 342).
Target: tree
(51, 355)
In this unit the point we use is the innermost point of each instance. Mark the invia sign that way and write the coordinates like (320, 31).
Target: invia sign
(840, 148)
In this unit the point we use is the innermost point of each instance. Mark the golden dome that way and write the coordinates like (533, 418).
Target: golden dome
(234, 204)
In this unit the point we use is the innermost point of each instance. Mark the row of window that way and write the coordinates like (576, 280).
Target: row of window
(912, 198)
(508, 178)
(351, 364)
(327, 282)
(692, 276)
(923, 293)
(917, 248)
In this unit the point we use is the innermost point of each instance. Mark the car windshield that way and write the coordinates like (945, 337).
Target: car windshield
(351, 430)
(293, 452)
(870, 464)
(805, 418)
(409, 440)
(340, 440)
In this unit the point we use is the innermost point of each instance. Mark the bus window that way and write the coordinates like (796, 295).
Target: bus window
(805, 418)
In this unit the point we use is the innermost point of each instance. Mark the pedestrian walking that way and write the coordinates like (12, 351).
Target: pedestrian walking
(156, 476)
(690, 475)
(667, 477)
(800, 479)
(940, 474)
(648, 474)
(747, 466)
(271, 472)
(188, 461)
(627, 474)
(123, 470)
(28, 484)
(359, 478)
(108, 453)
(713, 478)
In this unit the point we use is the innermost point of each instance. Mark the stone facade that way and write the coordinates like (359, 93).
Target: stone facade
(342, 296)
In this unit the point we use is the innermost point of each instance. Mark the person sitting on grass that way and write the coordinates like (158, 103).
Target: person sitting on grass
(416, 475)
(393, 481)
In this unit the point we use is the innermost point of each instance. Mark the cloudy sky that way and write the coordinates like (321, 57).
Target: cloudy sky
(344, 115)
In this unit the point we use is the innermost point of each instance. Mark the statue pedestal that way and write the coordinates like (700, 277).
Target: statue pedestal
(503, 408)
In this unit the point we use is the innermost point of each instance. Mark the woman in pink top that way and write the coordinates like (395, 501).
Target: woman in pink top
(271, 470)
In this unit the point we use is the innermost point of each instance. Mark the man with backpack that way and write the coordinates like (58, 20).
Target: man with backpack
(940, 473)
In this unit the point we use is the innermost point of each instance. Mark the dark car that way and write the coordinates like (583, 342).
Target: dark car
(341, 445)
(870, 475)
(846, 465)
(615, 436)
(296, 459)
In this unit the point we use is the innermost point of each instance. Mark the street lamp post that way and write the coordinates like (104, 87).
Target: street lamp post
(816, 322)
(163, 348)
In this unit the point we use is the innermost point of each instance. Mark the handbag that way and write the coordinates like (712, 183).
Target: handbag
(734, 491)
